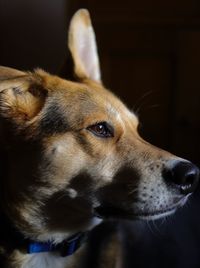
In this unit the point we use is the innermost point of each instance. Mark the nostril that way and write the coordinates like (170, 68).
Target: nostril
(190, 177)
(183, 174)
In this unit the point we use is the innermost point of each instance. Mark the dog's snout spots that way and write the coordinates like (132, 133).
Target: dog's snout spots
(144, 195)
(153, 196)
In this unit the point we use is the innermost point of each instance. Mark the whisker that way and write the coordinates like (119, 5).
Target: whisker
(135, 190)
(152, 107)
(157, 228)
(141, 101)
(150, 228)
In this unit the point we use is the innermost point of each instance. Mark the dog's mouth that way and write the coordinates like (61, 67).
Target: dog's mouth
(108, 211)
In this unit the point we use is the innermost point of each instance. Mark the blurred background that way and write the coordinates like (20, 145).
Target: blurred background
(150, 57)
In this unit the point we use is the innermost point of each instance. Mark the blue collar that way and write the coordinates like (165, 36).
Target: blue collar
(66, 247)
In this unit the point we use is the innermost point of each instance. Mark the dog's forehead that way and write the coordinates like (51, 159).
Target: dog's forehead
(121, 113)
(94, 98)
(81, 100)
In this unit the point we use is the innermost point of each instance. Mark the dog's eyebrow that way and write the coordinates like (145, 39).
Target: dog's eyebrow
(53, 120)
(113, 111)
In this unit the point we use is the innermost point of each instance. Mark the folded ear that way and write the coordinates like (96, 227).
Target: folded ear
(82, 45)
(21, 95)
(7, 73)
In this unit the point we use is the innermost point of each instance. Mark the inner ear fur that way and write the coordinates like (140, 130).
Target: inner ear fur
(83, 48)
(22, 95)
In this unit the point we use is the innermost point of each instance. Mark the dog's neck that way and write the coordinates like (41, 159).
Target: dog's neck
(11, 239)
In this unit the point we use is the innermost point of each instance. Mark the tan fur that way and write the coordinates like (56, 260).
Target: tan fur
(59, 172)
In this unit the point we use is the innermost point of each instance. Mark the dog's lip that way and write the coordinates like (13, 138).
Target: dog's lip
(151, 215)
(108, 211)
(163, 212)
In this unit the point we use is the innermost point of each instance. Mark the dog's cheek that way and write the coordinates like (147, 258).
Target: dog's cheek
(64, 157)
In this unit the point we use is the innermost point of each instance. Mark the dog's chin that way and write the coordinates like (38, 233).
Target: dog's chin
(156, 214)
(112, 212)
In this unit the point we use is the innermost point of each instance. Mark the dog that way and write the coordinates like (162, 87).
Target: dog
(71, 157)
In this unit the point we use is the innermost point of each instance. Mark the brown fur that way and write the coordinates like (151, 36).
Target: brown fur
(58, 170)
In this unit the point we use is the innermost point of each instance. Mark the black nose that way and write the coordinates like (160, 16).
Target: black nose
(185, 175)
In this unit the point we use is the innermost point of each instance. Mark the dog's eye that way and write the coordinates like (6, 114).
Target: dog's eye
(102, 129)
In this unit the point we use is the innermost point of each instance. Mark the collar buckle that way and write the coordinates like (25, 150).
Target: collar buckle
(69, 246)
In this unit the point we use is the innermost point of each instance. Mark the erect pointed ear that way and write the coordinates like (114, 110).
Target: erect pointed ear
(21, 95)
(82, 45)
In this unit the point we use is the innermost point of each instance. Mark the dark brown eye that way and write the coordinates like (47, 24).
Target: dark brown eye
(103, 130)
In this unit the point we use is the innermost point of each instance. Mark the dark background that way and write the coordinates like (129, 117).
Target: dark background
(150, 57)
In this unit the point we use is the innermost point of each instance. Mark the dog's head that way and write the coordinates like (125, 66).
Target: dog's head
(72, 150)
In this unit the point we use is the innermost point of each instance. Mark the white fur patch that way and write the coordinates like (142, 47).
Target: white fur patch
(46, 260)
(72, 193)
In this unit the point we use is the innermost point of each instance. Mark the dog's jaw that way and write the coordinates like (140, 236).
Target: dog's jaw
(154, 215)
(112, 212)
